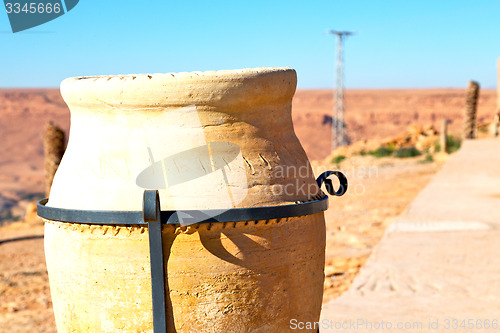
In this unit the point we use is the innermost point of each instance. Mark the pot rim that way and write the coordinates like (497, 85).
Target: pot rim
(226, 88)
(220, 74)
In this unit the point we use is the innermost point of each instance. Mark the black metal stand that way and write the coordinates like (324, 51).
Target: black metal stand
(151, 213)
(154, 218)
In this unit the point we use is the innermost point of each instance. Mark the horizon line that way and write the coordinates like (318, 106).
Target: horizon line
(298, 88)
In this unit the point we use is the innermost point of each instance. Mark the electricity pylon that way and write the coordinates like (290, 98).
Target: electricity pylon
(339, 129)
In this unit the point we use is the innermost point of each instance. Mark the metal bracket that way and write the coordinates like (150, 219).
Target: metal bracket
(152, 216)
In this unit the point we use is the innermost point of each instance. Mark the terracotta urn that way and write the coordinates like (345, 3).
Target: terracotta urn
(205, 140)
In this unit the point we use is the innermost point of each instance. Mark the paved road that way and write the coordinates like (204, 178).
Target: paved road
(437, 269)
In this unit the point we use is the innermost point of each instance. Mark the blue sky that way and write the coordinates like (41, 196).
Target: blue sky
(399, 44)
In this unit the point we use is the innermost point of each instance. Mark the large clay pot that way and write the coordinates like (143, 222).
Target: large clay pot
(252, 276)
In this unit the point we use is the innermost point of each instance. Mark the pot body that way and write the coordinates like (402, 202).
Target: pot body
(212, 140)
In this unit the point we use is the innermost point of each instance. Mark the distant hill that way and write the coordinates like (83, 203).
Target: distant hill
(370, 114)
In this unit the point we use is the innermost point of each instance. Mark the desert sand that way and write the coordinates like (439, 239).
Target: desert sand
(380, 188)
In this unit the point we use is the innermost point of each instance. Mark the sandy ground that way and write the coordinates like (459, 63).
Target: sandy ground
(380, 189)
(25, 304)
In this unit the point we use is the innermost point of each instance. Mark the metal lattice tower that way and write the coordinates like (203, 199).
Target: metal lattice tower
(339, 129)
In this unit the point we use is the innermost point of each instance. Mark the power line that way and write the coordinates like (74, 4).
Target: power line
(339, 129)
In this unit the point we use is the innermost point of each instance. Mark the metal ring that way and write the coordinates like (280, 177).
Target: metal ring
(197, 216)
(172, 217)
